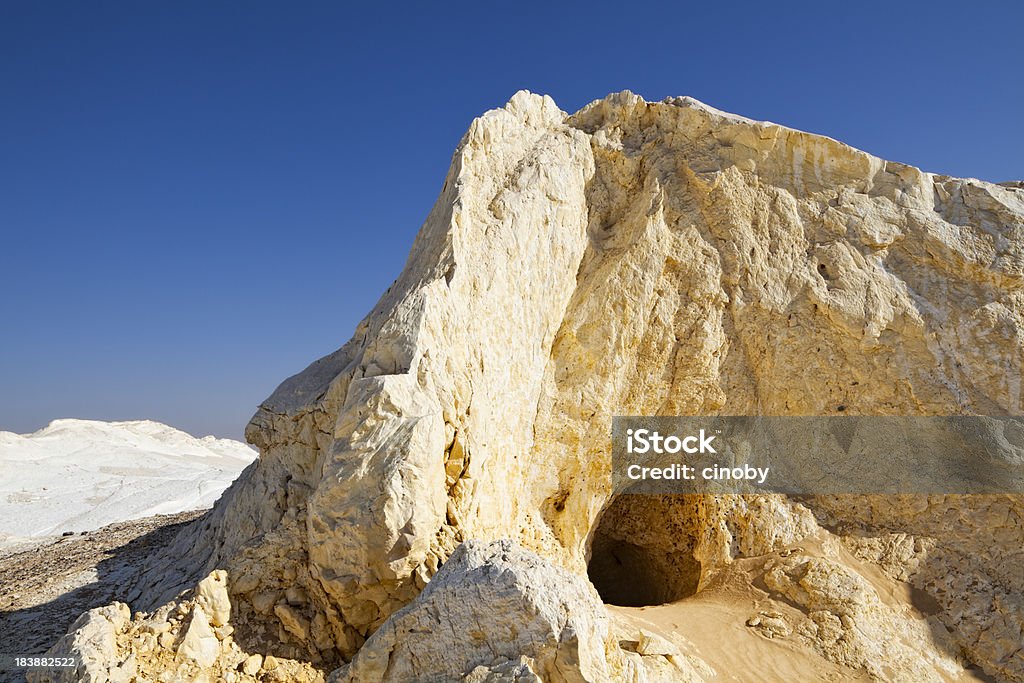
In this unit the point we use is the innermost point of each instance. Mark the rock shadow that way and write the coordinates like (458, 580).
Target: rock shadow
(76, 573)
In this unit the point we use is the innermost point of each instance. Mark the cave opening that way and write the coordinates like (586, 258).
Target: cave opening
(641, 551)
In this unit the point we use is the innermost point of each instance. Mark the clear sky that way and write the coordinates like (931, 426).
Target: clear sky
(197, 199)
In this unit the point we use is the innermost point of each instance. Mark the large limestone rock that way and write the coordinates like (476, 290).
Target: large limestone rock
(638, 258)
(200, 643)
(92, 641)
(490, 605)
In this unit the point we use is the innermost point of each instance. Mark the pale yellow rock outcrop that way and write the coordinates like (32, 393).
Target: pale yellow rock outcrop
(93, 640)
(199, 644)
(488, 606)
(639, 258)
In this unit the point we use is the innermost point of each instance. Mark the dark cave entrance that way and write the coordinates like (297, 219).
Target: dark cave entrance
(641, 552)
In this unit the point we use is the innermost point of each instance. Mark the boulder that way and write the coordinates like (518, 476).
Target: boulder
(489, 607)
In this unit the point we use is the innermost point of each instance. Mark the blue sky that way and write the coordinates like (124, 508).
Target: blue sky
(197, 199)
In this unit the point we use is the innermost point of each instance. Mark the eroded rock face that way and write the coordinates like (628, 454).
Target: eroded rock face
(848, 622)
(188, 639)
(93, 640)
(490, 605)
(634, 258)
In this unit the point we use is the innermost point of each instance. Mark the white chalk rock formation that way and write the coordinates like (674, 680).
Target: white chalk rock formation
(546, 614)
(92, 640)
(199, 644)
(80, 475)
(637, 258)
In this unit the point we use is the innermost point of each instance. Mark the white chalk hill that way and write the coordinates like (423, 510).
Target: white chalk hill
(78, 475)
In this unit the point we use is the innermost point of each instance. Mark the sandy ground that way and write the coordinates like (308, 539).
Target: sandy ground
(713, 625)
(47, 584)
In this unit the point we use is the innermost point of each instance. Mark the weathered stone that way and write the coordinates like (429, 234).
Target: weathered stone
(296, 596)
(200, 644)
(264, 602)
(93, 640)
(520, 671)
(653, 644)
(490, 604)
(293, 621)
(212, 595)
(252, 665)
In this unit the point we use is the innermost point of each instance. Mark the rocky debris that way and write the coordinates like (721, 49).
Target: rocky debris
(199, 644)
(93, 639)
(770, 624)
(189, 639)
(252, 665)
(47, 586)
(212, 596)
(519, 671)
(646, 657)
(847, 622)
(652, 644)
(633, 258)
